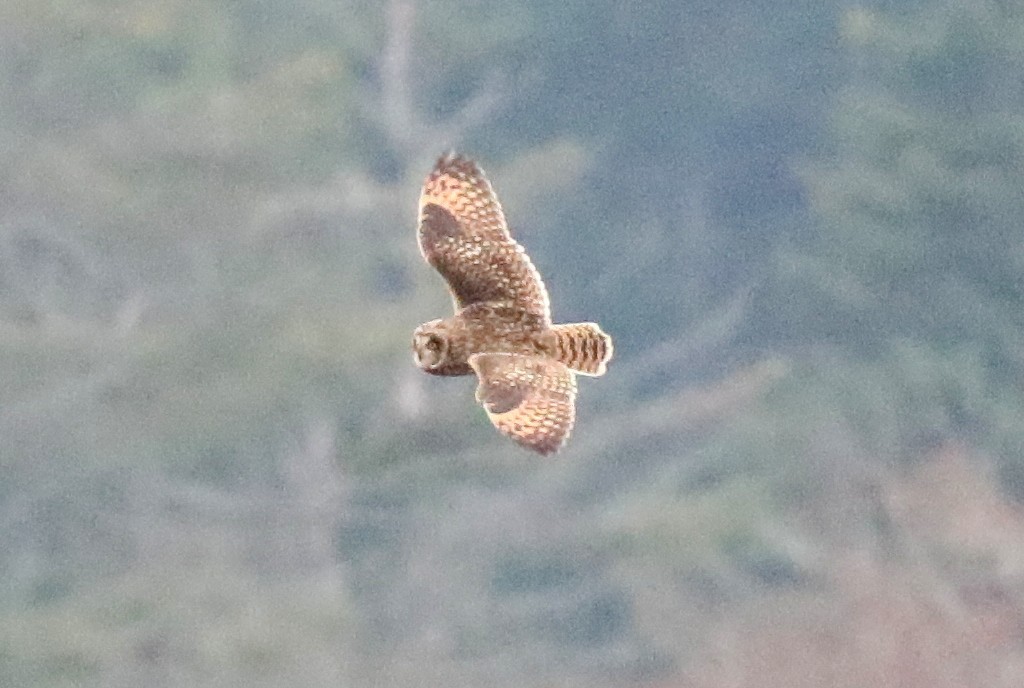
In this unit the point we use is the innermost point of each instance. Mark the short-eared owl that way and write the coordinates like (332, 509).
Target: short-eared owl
(502, 328)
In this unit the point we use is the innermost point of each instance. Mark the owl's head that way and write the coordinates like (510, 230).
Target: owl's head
(430, 346)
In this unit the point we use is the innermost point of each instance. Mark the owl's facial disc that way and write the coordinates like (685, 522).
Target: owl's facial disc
(429, 348)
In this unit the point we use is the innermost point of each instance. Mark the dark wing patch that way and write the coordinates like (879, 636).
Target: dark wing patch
(528, 398)
(500, 398)
(438, 225)
(463, 234)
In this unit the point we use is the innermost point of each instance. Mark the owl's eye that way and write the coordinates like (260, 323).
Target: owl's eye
(434, 344)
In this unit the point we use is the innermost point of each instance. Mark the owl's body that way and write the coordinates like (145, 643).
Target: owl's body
(502, 328)
(487, 328)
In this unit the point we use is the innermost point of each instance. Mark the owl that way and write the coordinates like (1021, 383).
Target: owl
(526, 366)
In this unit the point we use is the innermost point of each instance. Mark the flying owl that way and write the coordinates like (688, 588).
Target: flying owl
(502, 331)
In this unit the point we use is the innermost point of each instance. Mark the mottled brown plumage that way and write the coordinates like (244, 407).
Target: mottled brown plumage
(583, 347)
(502, 328)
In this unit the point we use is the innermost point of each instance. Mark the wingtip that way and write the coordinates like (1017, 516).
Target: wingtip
(453, 160)
(448, 158)
(547, 448)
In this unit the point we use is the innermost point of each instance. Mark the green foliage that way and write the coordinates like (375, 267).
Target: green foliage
(136, 627)
(919, 203)
(918, 260)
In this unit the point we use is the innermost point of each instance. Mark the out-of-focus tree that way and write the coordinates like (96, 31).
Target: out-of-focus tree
(917, 264)
(219, 465)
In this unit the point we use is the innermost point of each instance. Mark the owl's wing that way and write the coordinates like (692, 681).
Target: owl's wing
(528, 398)
(463, 234)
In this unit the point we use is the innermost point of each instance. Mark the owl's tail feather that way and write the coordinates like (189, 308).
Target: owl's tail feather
(584, 347)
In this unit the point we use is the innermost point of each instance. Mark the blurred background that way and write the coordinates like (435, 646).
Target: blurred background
(801, 221)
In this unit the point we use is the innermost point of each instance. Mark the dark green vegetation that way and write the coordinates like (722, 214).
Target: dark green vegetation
(802, 221)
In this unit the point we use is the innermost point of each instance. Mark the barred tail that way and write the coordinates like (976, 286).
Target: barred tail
(583, 347)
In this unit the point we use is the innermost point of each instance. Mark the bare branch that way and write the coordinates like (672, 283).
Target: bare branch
(394, 111)
(395, 92)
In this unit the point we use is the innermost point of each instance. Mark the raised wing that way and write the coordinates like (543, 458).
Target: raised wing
(463, 234)
(528, 398)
